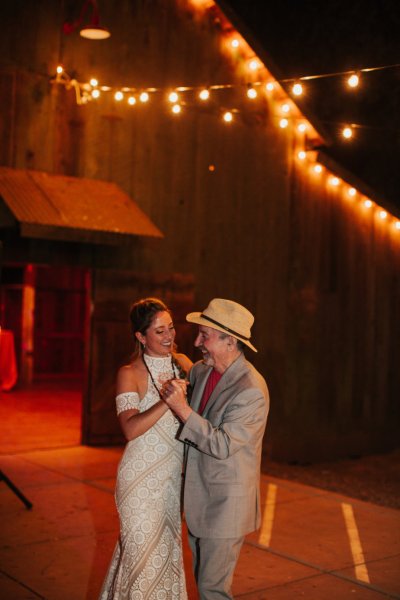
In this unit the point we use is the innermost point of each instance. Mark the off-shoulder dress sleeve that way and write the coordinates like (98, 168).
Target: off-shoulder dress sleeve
(127, 401)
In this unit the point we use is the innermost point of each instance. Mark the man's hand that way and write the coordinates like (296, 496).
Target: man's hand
(174, 394)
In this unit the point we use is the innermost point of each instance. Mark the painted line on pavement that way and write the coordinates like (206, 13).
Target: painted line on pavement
(268, 517)
(360, 567)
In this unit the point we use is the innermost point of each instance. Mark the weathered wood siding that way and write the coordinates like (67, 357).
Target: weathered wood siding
(321, 277)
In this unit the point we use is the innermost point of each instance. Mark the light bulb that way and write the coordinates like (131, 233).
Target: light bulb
(204, 94)
(173, 97)
(144, 97)
(334, 181)
(283, 123)
(301, 155)
(228, 117)
(297, 89)
(367, 203)
(302, 127)
(318, 169)
(132, 100)
(352, 192)
(269, 86)
(235, 43)
(176, 109)
(382, 214)
(60, 69)
(285, 108)
(254, 65)
(95, 93)
(347, 132)
(118, 96)
(353, 80)
(252, 93)
(93, 82)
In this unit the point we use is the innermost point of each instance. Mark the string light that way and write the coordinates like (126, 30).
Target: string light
(297, 89)
(253, 64)
(353, 80)
(347, 132)
(173, 97)
(84, 93)
(204, 94)
(228, 117)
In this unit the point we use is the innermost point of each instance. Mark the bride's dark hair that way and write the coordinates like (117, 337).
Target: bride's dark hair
(141, 317)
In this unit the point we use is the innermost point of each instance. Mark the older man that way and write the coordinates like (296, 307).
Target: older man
(223, 429)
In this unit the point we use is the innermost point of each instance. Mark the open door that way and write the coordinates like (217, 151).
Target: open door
(111, 344)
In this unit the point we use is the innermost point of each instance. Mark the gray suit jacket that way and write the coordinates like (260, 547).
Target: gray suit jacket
(222, 474)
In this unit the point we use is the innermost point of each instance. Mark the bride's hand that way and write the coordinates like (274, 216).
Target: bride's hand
(168, 387)
(174, 394)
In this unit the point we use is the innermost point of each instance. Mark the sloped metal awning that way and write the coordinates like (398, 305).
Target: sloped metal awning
(57, 207)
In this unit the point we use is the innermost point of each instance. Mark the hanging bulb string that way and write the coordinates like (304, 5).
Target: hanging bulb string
(339, 73)
(65, 80)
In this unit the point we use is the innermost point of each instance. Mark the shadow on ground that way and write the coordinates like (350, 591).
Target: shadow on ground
(371, 478)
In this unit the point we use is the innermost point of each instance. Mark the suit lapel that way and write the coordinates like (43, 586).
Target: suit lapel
(198, 390)
(227, 380)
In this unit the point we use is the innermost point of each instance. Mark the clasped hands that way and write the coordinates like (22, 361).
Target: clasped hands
(173, 393)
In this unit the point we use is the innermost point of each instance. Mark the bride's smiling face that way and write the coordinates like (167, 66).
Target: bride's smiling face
(159, 337)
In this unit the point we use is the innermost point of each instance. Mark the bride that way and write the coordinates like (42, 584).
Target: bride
(147, 561)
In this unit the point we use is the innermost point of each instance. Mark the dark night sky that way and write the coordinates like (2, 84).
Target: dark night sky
(307, 37)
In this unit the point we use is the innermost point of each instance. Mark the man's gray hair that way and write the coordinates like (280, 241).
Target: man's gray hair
(239, 344)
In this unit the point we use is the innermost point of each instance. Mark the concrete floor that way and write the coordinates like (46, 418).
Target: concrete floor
(313, 544)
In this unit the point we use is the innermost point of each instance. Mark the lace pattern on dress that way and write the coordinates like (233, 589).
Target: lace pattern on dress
(127, 401)
(147, 563)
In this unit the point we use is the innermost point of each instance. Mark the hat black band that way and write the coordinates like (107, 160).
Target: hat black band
(242, 337)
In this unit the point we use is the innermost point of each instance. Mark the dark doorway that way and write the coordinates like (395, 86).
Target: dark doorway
(45, 310)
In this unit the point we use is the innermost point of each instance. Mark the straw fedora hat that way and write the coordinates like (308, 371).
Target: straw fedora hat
(226, 316)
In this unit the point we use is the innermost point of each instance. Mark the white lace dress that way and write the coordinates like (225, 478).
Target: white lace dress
(147, 562)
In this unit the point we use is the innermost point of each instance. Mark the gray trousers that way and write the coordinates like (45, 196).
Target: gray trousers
(214, 561)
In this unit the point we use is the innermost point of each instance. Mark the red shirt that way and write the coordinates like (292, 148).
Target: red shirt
(212, 381)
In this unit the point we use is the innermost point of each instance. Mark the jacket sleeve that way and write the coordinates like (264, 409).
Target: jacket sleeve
(243, 420)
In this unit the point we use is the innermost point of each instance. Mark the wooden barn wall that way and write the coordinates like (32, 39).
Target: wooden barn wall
(238, 214)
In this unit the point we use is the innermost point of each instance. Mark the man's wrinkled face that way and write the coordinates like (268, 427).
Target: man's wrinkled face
(213, 347)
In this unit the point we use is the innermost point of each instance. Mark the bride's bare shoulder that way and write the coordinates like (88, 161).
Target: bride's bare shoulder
(130, 376)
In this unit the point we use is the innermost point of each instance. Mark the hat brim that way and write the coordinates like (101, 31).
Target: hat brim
(195, 317)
